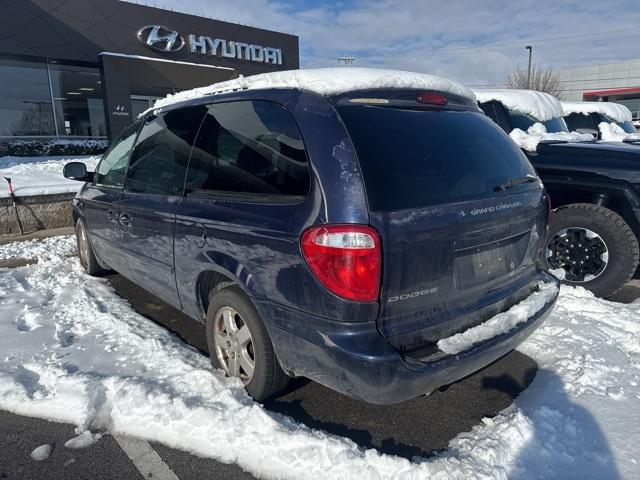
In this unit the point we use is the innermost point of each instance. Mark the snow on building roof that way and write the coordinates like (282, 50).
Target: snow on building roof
(327, 81)
(615, 111)
(539, 105)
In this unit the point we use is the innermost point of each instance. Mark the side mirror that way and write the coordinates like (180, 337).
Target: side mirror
(77, 171)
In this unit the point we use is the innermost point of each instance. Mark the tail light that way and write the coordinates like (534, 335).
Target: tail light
(346, 259)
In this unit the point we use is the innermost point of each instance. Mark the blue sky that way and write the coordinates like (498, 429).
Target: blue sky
(477, 42)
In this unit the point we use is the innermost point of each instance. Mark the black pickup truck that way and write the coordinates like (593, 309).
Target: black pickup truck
(594, 189)
(608, 121)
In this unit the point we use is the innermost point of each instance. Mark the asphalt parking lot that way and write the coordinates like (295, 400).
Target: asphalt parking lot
(417, 428)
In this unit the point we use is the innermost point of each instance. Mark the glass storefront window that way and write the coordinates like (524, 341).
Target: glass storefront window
(77, 97)
(25, 99)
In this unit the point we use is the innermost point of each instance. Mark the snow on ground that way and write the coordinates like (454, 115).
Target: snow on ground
(326, 81)
(40, 175)
(615, 111)
(539, 105)
(71, 350)
(612, 132)
(537, 133)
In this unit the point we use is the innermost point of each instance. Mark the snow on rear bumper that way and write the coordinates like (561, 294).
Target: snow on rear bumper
(359, 362)
(502, 323)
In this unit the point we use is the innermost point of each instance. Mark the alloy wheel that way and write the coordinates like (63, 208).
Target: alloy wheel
(83, 246)
(581, 252)
(233, 344)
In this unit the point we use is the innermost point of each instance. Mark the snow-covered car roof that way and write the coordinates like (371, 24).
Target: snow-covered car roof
(615, 111)
(539, 105)
(327, 81)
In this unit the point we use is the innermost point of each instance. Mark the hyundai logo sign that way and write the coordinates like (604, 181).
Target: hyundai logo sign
(163, 39)
(160, 38)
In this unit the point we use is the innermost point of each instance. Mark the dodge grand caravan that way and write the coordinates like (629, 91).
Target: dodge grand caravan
(351, 226)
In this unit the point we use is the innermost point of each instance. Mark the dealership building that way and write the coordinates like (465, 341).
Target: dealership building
(87, 68)
(607, 82)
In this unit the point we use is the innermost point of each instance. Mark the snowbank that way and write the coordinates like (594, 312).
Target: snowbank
(40, 175)
(615, 111)
(326, 81)
(539, 105)
(537, 133)
(72, 350)
(612, 132)
(501, 323)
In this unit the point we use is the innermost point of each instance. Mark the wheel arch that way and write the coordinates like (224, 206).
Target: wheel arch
(211, 281)
(619, 200)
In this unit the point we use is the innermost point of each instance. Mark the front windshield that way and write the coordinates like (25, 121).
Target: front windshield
(524, 121)
(626, 126)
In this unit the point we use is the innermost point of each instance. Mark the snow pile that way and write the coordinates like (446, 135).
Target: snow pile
(95, 362)
(612, 132)
(51, 249)
(538, 105)
(501, 323)
(83, 440)
(614, 111)
(41, 453)
(537, 133)
(40, 175)
(326, 81)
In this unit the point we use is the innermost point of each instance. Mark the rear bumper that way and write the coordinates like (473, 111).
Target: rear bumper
(356, 360)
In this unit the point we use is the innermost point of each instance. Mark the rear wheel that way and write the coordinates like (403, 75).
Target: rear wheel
(240, 345)
(593, 245)
(85, 250)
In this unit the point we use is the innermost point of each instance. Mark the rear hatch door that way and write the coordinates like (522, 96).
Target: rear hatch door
(460, 213)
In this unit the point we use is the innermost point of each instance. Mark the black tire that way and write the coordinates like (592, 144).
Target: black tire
(85, 250)
(268, 377)
(619, 240)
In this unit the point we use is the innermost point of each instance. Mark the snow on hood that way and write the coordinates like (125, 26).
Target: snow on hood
(326, 81)
(612, 132)
(615, 111)
(539, 105)
(537, 133)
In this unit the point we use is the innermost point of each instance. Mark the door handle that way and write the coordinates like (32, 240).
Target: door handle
(125, 220)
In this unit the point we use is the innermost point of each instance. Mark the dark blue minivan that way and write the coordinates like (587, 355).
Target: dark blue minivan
(338, 226)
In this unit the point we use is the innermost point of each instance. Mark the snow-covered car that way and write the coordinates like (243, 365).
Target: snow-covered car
(330, 224)
(608, 121)
(593, 187)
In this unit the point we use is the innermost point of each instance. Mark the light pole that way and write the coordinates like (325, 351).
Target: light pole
(530, 48)
(346, 60)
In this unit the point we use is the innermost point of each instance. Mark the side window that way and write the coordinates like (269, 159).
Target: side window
(249, 147)
(112, 167)
(161, 155)
(578, 120)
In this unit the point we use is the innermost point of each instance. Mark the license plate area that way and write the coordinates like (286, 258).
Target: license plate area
(484, 263)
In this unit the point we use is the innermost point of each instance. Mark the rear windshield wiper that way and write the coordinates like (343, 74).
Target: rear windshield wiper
(512, 182)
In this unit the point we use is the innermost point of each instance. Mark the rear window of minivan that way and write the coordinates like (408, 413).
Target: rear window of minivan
(420, 158)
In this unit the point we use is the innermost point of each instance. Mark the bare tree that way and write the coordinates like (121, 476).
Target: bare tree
(543, 79)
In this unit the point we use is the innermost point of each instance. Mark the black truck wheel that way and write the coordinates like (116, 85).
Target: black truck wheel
(593, 245)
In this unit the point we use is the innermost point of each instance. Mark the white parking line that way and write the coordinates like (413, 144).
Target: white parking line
(145, 458)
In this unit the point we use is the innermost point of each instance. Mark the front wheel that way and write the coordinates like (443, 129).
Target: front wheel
(240, 345)
(88, 259)
(593, 245)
